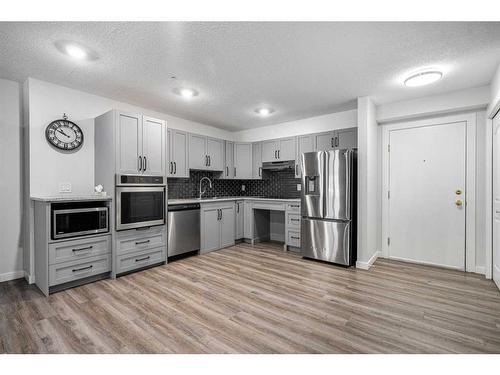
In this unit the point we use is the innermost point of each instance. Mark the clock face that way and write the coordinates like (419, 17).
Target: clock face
(64, 134)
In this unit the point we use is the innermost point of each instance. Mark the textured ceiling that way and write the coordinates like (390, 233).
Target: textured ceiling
(300, 69)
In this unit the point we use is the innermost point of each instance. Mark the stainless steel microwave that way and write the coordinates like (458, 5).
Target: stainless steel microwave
(74, 222)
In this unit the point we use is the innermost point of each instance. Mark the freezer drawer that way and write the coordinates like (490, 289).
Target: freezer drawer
(329, 241)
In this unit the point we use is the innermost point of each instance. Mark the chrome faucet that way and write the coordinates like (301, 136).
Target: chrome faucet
(209, 184)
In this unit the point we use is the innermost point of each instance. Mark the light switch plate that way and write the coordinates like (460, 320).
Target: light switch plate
(299, 187)
(243, 187)
(64, 187)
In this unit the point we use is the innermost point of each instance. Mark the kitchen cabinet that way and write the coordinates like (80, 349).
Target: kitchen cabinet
(240, 217)
(140, 144)
(342, 138)
(242, 160)
(228, 172)
(247, 220)
(206, 153)
(177, 142)
(278, 150)
(217, 225)
(257, 160)
(305, 143)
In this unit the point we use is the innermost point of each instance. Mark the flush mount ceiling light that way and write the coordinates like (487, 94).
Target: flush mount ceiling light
(423, 78)
(75, 50)
(185, 92)
(264, 111)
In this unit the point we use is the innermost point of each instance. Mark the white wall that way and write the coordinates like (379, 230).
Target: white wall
(339, 120)
(48, 167)
(11, 251)
(368, 184)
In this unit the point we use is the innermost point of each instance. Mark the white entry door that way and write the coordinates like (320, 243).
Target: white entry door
(496, 199)
(427, 170)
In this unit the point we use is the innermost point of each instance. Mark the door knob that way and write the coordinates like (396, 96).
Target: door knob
(458, 192)
(458, 203)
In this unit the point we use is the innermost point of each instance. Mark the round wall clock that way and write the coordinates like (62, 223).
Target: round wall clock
(64, 134)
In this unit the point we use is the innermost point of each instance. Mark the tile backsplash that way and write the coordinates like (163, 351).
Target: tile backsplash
(278, 184)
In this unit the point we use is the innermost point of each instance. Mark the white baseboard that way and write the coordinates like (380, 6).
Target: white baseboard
(29, 278)
(367, 265)
(481, 270)
(11, 275)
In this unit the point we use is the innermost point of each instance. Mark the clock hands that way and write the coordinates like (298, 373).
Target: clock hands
(60, 131)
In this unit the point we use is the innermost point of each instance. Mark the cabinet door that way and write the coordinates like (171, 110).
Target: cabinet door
(129, 143)
(248, 220)
(153, 146)
(270, 151)
(239, 220)
(179, 154)
(325, 141)
(227, 227)
(257, 160)
(210, 229)
(170, 167)
(215, 152)
(243, 160)
(228, 172)
(287, 150)
(198, 152)
(305, 143)
(347, 138)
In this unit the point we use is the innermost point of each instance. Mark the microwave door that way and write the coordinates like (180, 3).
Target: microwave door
(313, 184)
(338, 172)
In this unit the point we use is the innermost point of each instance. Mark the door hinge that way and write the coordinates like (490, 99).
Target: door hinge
(388, 241)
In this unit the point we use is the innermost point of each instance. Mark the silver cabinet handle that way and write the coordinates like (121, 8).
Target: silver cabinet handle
(296, 173)
(227, 171)
(295, 238)
(294, 219)
(209, 160)
(141, 259)
(82, 269)
(82, 248)
(234, 171)
(170, 168)
(175, 167)
(279, 154)
(139, 164)
(237, 208)
(260, 171)
(142, 242)
(332, 143)
(145, 163)
(294, 205)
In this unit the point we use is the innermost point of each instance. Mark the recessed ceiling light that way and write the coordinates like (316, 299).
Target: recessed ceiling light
(264, 111)
(423, 78)
(185, 92)
(75, 50)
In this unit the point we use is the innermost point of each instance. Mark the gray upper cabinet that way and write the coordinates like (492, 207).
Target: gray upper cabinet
(342, 138)
(305, 143)
(257, 160)
(177, 142)
(243, 160)
(129, 143)
(153, 146)
(206, 153)
(141, 145)
(278, 150)
(228, 172)
(347, 138)
(215, 153)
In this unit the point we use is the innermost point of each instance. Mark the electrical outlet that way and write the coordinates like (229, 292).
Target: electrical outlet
(243, 187)
(299, 187)
(64, 187)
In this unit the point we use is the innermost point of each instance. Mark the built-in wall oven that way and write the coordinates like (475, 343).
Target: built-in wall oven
(140, 201)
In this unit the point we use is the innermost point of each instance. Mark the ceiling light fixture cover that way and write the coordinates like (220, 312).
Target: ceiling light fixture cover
(75, 50)
(423, 78)
(264, 111)
(185, 92)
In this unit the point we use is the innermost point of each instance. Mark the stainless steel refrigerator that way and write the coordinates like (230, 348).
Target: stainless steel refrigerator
(328, 230)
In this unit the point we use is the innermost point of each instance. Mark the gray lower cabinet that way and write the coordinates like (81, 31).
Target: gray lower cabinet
(243, 160)
(139, 248)
(292, 226)
(247, 220)
(257, 160)
(217, 225)
(240, 220)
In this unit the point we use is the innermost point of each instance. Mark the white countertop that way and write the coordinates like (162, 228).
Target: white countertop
(223, 199)
(70, 198)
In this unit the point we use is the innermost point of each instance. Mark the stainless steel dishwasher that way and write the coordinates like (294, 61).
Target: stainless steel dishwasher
(183, 228)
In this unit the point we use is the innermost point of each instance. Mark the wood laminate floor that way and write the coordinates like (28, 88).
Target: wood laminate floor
(258, 299)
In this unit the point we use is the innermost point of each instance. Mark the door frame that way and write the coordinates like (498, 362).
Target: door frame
(470, 179)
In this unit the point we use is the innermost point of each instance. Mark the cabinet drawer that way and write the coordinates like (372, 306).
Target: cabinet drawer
(293, 221)
(140, 241)
(139, 259)
(275, 206)
(293, 207)
(71, 271)
(293, 239)
(78, 249)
